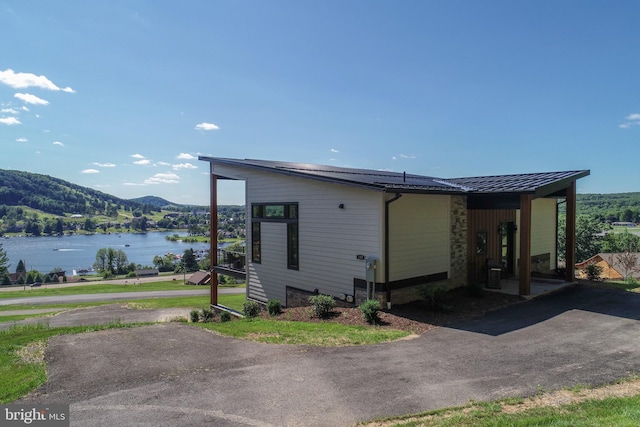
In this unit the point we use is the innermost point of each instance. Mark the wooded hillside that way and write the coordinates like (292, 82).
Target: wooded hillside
(56, 196)
(610, 207)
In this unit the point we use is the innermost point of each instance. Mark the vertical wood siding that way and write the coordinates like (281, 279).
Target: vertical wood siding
(487, 220)
(419, 236)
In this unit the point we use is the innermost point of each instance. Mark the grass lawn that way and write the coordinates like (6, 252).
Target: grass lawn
(21, 347)
(286, 332)
(100, 287)
(195, 302)
(612, 411)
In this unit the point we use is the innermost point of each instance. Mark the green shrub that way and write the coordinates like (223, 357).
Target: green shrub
(274, 307)
(370, 310)
(225, 316)
(322, 305)
(433, 297)
(132, 274)
(251, 309)
(194, 316)
(593, 272)
(207, 315)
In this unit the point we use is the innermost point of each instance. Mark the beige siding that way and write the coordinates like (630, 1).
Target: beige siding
(543, 228)
(419, 231)
(330, 238)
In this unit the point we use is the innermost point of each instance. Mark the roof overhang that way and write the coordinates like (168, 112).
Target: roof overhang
(483, 192)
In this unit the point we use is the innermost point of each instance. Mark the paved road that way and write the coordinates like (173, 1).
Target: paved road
(179, 375)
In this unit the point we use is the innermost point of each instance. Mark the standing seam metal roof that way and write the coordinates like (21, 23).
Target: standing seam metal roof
(403, 182)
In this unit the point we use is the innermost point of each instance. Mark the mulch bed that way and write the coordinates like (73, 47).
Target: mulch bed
(414, 317)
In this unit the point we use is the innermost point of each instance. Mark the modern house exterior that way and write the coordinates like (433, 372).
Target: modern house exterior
(357, 233)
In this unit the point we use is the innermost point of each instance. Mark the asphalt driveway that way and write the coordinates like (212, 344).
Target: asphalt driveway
(178, 375)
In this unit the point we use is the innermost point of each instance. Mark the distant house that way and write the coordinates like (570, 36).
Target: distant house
(615, 266)
(356, 233)
(199, 278)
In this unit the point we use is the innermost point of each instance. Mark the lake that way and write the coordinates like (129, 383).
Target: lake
(77, 252)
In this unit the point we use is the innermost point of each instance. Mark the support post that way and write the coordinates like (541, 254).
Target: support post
(525, 244)
(213, 231)
(570, 232)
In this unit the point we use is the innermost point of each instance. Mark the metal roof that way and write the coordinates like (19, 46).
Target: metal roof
(401, 182)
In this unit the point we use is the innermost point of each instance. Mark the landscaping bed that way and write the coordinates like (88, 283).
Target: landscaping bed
(414, 317)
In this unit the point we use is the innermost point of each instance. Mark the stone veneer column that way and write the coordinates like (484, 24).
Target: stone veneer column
(458, 241)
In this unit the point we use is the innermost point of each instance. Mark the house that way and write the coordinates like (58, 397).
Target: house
(199, 278)
(615, 266)
(356, 233)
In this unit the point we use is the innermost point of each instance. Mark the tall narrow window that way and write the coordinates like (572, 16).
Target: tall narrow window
(255, 242)
(292, 245)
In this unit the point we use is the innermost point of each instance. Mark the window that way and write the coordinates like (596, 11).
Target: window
(292, 245)
(481, 242)
(255, 242)
(276, 212)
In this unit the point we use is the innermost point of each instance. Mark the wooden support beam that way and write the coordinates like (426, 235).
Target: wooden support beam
(213, 241)
(570, 233)
(525, 244)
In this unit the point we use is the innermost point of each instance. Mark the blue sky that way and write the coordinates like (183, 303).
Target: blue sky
(122, 96)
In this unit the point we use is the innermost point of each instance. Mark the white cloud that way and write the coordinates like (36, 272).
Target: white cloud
(163, 178)
(104, 165)
(31, 99)
(142, 162)
(632, 120)
(9, 111)
(403, 156)
(162, 164)
(25, 80)
(58, 143)
(333, 150)
(10, 121)
(22, 140)
(25, 108)
(185, 156)
(138, 156)
(206, 126)
(184, 166)
(91, 171)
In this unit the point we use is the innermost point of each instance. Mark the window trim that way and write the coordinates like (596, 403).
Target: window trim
(290, 217)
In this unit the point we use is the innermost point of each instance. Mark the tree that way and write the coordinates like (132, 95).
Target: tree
(21, 267)
(89, 225)
(621, 242)
(588, 237)
(189, 260)
(4, 261)
(111, 261)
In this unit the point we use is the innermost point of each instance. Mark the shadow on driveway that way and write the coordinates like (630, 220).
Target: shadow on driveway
(610, 302)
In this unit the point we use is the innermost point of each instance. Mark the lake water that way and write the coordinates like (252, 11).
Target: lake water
(78, 252)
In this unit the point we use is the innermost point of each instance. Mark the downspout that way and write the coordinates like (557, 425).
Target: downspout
(386, 246)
